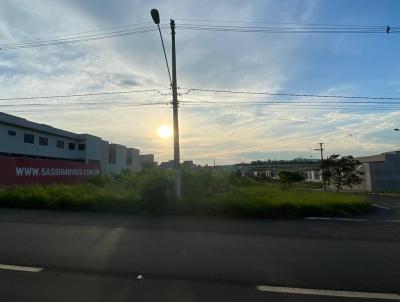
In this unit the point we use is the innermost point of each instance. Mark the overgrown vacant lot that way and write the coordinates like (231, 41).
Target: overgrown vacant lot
(205, 191)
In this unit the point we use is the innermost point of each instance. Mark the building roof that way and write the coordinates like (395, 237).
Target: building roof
(371, 158)
(23, 123)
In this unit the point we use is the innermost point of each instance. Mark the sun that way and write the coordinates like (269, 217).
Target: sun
(164, 131)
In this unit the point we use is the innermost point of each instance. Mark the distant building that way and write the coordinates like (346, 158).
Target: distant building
(270, 169)
(381, 172)
(313, 175)
(170, 164)
(147, 160)
(49, 154)
(188, 164)
(167, 165)
(272, 173)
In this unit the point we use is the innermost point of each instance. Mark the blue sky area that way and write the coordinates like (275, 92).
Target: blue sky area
(328, 63)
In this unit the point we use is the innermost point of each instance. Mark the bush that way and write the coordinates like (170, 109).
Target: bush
(156, 190)
(205, 192)
(99, 180)
(288, 177)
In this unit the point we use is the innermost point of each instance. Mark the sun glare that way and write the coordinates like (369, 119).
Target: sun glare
(164, 131)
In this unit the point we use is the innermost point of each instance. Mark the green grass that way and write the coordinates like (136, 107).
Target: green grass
(206, 192)
(267, 201)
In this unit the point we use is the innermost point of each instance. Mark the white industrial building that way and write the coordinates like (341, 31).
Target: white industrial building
(380, 172)
(313, 175)
(22, 138)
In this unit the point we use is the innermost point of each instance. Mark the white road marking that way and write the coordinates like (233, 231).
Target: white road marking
(338, 219)
(352, 219)
(21, 268)
(326, 292)
(381, 207)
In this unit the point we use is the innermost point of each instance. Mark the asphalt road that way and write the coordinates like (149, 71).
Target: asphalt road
(97, 257)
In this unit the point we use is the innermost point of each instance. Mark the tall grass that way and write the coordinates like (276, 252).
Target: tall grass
(205, 192)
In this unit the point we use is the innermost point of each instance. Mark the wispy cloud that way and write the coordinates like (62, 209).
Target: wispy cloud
(231, 133)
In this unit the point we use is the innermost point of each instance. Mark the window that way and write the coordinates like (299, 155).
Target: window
(82, 147)
(12, 133)
(71, 146)
(43, 141)
(129, 157)
(60, 144)
(112, 155)
(29, 138)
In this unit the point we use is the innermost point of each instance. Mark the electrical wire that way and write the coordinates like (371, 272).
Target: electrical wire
(83, 94)
(281, 31)
(77, 39)
(77, 33)
(297, 29)
(301, 105)
(189, 90)
(279, 23)
(292, 106)
(88, 108)
(285, 27)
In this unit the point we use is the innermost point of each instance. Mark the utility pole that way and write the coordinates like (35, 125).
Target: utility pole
(321, 149)
(177, 163)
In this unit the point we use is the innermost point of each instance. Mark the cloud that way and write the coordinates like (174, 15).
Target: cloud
(230, 132)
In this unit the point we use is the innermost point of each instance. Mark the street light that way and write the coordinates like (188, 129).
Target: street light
(155, 15)
(177, 171)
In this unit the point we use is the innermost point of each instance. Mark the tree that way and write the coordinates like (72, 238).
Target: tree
(288, 177)
(341, 171)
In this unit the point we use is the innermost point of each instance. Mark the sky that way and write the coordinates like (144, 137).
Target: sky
(334, 63)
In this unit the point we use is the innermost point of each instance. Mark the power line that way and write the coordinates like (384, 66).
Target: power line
(132, 29)
(288, 106)
(287, 27)
(77, 39)
(76, 33)
(292, 108)
(291, 30)
(279, 23)
(74, 104)
(83, 94)
(88, 108)
(189, 90)
(297, 102)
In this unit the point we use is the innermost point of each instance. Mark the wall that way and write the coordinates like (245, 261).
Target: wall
(96, 150)
(104, 154)
(20, 170)
(147, 160)
(385, 176)
(313, 175)
(120, 164)
(15, 144)
(93, 149)
(135, 165)
(365, 185)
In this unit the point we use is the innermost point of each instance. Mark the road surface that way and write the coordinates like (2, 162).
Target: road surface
(71, 256)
